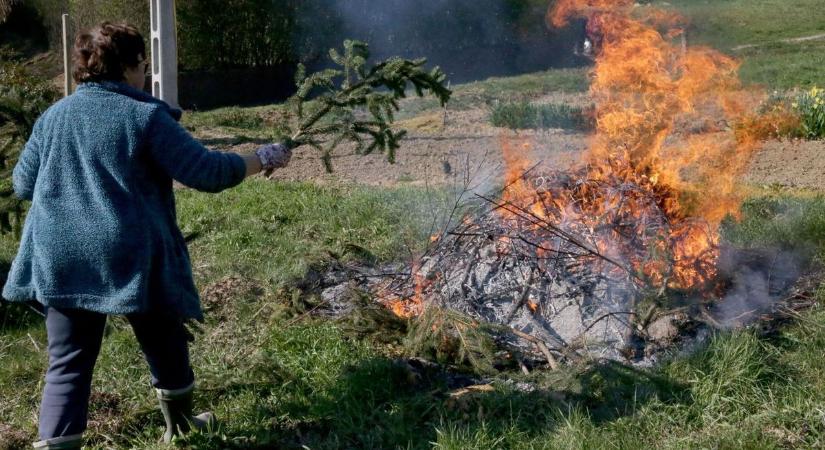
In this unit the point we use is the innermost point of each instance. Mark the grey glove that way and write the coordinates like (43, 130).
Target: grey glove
(273, 156)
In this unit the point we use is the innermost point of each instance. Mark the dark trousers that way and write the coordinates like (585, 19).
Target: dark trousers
(74, 343)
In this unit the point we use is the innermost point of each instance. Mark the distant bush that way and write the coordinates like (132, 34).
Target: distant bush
(524, 115)
(475, 38)
(238, 118)
(218, 34)
(233, 117)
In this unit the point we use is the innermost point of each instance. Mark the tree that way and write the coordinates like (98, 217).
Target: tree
(357, 103)
(22, 100)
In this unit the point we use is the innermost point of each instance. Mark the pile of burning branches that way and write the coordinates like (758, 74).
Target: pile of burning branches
(571, 265)
(562, 262)
(575, 263)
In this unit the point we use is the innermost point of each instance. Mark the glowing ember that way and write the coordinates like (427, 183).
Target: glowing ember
(412, 306)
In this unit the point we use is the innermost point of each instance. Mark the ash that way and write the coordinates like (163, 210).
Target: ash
(565, 299)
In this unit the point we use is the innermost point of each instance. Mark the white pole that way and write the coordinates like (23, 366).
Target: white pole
(164, 51)
(67, 67)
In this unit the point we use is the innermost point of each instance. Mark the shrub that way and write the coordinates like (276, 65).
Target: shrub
(524, 115)
(238, 118)
(800, 115)
(22, 99)
(810, 105)
(776, 118)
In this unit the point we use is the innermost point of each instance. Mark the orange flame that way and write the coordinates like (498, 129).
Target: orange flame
(412, 306)
(643, 85)
(662, 123)
(664, 117)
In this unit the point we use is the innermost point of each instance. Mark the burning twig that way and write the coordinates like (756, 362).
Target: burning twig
(525, 214)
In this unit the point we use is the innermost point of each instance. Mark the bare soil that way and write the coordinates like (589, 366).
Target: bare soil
(435, 152)
(794, 164)
(441, 149)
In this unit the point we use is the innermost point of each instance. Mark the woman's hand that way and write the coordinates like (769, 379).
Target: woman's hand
(268, 158)
(273, 156)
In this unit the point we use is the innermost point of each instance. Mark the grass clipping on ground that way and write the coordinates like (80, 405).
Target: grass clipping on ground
(356, 103)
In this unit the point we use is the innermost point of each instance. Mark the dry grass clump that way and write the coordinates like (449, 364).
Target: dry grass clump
(13, 438)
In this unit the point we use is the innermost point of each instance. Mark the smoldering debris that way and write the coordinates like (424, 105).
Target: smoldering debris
(556, 295)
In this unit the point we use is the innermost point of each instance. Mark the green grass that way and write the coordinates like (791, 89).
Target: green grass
(726, 24)
(524, 115)
(784, 66)
(780, 220)
(279, 383)
(274, 232)
(729, 23)
(504, 89)
(245, 123)
(247, 118)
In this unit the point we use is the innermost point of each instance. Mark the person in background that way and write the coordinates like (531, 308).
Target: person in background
(592, 35)
(101, 236)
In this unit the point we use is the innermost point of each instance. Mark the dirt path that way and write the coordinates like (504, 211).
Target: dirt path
(795, 164)
(796, 40)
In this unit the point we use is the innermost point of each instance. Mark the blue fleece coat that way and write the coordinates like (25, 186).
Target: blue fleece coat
(101, 232)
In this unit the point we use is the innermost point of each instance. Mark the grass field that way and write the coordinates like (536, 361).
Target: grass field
(727, 24)
(314, 383)
(730, 23)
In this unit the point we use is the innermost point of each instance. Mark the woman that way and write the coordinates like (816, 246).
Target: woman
(101, 235)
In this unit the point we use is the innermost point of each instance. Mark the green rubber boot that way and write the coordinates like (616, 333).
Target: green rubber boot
(73, 442)
(176, 406)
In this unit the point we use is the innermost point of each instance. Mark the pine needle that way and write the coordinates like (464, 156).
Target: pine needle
(356, 103)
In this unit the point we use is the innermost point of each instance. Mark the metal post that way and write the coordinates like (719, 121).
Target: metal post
(67, 67)
(164, 51)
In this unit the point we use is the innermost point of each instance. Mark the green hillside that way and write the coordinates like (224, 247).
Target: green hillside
(760, 32)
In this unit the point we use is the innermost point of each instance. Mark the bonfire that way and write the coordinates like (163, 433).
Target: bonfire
(581, 263)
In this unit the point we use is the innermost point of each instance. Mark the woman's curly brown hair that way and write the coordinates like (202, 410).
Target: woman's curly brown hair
(104, 52)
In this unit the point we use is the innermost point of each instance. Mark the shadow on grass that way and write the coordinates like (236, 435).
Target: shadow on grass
(5, 267)
(611, 390)
(15, 316)
(379, 403)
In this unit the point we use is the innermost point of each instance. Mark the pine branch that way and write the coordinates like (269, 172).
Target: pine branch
(341, 97)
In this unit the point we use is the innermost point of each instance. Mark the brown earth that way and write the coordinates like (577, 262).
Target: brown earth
(435, 151)
(794, 164)
(439, 152)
